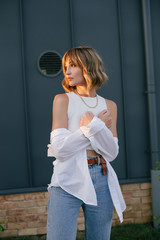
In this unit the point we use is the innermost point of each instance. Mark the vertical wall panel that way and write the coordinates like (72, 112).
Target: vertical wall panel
(46, 27)
(13, 151)
(97, 25)
(115, 30)
(137, 135)
(155, 18)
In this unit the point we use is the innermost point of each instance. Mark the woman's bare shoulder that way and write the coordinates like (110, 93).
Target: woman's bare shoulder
(60, 105)
(111, 105)
(61, 99)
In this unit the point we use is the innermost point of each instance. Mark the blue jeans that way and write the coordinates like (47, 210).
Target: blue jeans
(63, 211)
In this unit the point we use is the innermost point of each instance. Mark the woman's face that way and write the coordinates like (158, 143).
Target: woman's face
(74, 74)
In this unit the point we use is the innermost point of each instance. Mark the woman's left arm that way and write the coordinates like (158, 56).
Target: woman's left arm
(112, 107)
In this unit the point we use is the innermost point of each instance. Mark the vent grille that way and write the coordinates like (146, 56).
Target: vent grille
(50, 63)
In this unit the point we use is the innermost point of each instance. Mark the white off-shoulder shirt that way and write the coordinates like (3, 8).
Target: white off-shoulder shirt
(71, 171)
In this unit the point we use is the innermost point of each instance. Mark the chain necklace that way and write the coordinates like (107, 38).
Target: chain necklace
(86, 103)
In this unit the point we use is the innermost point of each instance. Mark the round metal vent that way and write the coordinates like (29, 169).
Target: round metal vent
(50, 63)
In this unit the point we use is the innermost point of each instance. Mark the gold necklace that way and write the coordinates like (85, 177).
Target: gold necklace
(86, 103)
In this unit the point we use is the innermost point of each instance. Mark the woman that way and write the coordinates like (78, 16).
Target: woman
(83, 141)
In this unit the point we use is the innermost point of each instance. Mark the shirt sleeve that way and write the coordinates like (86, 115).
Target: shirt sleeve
(101, 139)
(64, 143)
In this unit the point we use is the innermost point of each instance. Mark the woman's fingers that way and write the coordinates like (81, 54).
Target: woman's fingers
(86, 118)
(105, 116)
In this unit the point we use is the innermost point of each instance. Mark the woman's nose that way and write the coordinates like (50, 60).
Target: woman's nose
(68, 70)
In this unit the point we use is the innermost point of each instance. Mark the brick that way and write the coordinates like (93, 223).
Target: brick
(9, 233)
(147, 199)
(42, 218)
(16, 225)
(3, 219)
(2, 199)
(132, 201)
(37, 210)
(129, 208)
(42, 230)
(127, 194)
(142, 207)
(16, 212)
(115, 223)
(29, 214)
(130, 187)
(136, 214)
(80, 227)
(80, 220)
(31, 196)
(25, 204)
(128, 221)
(27, 218)
(81, 213)
(42, 202)
(14, 197)
(36, 224)
(147, 213)
(2, 213)
(7, 205)
(28, 231)
(145, 186)
(146, 206)
(11, 219)
(114, 210)
(46, 195)
(141, 193)
(137, 207)
(143, 220)
(115, 216)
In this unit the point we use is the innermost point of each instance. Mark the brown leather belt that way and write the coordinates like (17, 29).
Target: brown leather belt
(92, 161)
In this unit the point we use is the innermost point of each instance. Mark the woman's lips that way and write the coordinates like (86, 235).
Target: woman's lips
(69, 78)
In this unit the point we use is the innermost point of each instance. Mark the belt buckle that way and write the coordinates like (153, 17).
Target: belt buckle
(99, 160)
(89, 164)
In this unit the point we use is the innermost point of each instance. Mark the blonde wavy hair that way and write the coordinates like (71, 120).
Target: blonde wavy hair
(90, 63)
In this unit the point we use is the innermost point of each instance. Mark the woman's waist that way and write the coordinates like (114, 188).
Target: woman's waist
(91, 153)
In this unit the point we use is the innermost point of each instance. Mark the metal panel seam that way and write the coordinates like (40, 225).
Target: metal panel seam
(151, 87)
(25, 95)
(123, 90)
(71, 22)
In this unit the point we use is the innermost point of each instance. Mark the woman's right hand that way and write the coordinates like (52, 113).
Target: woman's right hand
(86, 118)
(105, 116)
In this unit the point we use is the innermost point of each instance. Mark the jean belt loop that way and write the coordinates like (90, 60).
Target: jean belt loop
(99, 160)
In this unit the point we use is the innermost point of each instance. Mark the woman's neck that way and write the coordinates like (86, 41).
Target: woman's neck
(84, 92)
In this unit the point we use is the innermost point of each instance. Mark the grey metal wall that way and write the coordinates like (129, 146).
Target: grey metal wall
(28, 28)
(155, 20)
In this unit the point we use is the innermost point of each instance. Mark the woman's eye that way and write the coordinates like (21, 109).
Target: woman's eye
(73, 65)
